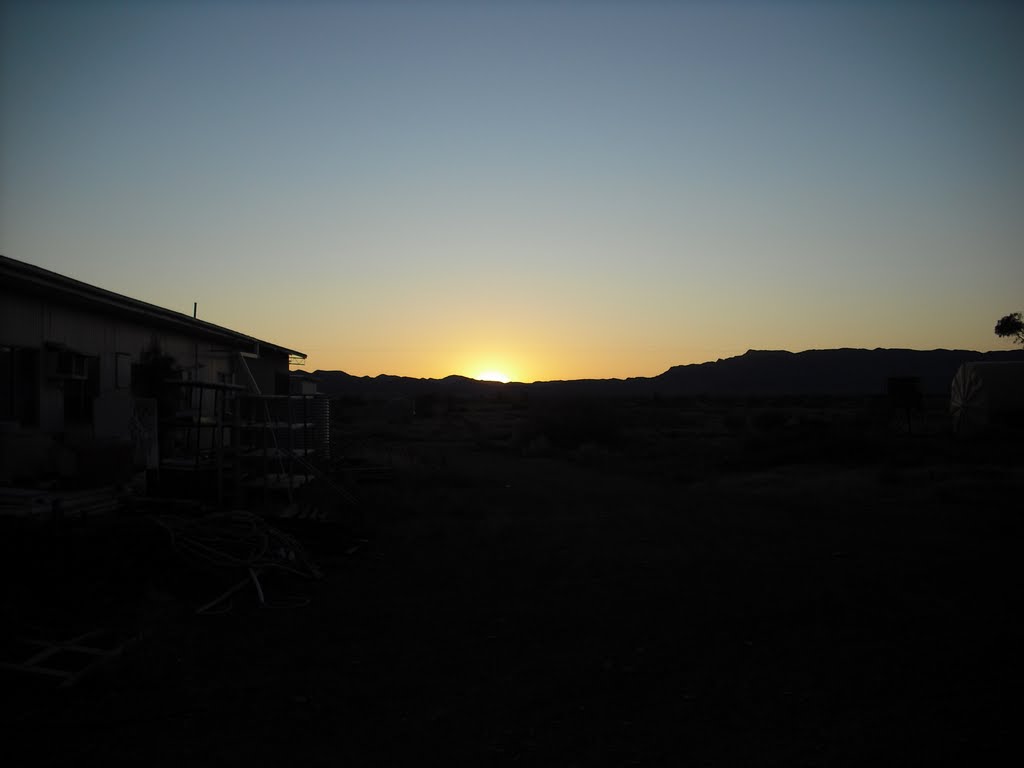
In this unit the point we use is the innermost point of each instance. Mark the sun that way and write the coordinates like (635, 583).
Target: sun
(493, 376)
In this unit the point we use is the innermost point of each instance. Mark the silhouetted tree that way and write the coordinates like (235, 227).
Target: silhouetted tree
(1011, 325)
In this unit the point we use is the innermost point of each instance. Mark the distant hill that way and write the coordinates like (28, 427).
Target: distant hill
(824, 371)
(386, 386)
(756, 372)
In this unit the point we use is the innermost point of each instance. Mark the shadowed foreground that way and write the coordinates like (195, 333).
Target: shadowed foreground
(583, 607)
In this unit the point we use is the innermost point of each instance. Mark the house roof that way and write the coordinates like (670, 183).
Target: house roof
(29, 279)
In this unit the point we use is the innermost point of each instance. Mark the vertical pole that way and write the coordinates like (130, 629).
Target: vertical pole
(291, 444)
(188, 424)
(199, 425)
(236, 444)
(218, 444)
(266, 448)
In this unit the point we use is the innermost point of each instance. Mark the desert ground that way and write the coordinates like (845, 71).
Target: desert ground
(800, 582)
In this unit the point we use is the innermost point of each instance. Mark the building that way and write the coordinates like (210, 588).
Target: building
(95, 385)
(986, 396)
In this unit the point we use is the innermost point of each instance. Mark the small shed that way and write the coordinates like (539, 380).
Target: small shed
(987, 394)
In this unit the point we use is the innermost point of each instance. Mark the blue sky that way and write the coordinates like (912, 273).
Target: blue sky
(553, 190)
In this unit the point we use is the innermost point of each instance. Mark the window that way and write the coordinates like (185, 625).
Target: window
(6, 384)
(19, 385)
(80, 391)
(122, 370)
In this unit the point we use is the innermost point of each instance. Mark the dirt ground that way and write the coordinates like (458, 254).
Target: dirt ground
(798, 583)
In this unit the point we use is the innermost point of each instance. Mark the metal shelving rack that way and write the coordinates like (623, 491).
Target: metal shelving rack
(200, 436)
(276, 443)
(239, 448)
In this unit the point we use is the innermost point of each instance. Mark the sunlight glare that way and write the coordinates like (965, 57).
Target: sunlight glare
(493, 376)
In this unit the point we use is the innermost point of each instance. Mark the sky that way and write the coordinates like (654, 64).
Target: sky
(548, 190)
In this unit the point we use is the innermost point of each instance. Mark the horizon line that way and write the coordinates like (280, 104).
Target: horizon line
(670, 368)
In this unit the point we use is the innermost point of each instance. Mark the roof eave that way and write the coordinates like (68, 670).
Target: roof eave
(44, 280)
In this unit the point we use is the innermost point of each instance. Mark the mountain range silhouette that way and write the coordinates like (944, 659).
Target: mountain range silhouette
(836, 372)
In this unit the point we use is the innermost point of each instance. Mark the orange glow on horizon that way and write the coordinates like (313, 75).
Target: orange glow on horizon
(493, 376)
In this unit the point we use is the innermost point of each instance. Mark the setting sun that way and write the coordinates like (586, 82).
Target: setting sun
(493, 376)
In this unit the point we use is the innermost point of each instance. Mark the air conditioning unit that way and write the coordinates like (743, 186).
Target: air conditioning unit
(65, 364)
